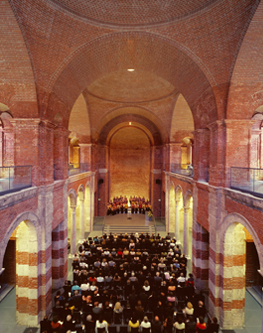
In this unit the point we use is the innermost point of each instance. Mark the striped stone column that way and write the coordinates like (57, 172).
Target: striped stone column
(59, 255)
(200, 256)
(232, 309)
(27, 307)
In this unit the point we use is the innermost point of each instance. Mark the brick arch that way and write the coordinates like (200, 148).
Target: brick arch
(238, 218)
(17, 81)
(72, 195)
(246, 87)
(26, 216)
(182, 120)
(133, 110)
(130, 118)
(126, 125)
(115, 13)
(113, 52)
(30, 288)
(186, 197)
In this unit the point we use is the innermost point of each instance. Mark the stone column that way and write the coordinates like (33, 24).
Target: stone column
(201, 154)
(177, 220)
(186, 233)
(61, 160)
(82, 219)
(200, 256)
(73, 235)
(1, 146)
(175, 153)
(26, 145)
(85, 153)
(167, 200)
(8, 146)
(238, 136)
(217, 153)
(92, 198)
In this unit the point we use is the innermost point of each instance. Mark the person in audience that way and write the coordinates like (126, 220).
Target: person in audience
(157, 325)
(200, 325)
(147, 273)
(179, 325)
(145, 325)
(213, 326)
(133, 325)
(101, 326)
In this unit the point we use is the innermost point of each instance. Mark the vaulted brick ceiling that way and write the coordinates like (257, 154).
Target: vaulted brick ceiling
(136, 12)
(174, 46)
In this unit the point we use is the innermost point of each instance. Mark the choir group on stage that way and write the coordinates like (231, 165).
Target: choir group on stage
(120, 205)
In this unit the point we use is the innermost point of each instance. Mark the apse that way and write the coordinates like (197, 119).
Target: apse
(130, 160)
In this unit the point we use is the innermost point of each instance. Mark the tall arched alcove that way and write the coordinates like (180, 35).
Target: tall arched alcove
(129, 163)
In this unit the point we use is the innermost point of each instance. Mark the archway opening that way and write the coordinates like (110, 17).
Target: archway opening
(21, 271)
(241, 272)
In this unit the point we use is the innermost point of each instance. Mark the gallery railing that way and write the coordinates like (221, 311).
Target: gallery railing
(248, 180)
(15, 178)
(76, 168)
(183, 169)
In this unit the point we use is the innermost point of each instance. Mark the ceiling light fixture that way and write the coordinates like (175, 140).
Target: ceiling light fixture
(130, 69)
(129, 123)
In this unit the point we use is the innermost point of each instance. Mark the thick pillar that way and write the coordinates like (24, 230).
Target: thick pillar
(82, 219)
(186, 233)
(73, 236)
(167, 200)
(201, 154)
(61, 153)
(85, 153)
(238, 135)
(177, 219)
(59, 256)
(200, 256)
(217, 153)
(8, 146)
(27, 307)
(26, 146)
(175, 154)
(232, 312)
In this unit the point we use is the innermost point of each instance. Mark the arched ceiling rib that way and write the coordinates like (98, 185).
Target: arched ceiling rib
(134, 111)
(154, 59)
(133, 12)
(134, 119)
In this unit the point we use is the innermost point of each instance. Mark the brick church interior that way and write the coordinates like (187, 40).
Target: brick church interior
(161, 99)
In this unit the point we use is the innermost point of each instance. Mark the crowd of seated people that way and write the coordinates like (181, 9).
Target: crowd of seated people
(136, 281)
(120, 205)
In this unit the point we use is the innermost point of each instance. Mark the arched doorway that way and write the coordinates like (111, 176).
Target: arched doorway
(20, 264)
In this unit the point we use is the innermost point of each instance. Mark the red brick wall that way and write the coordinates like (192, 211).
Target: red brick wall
(203, 201)
(130, 163)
